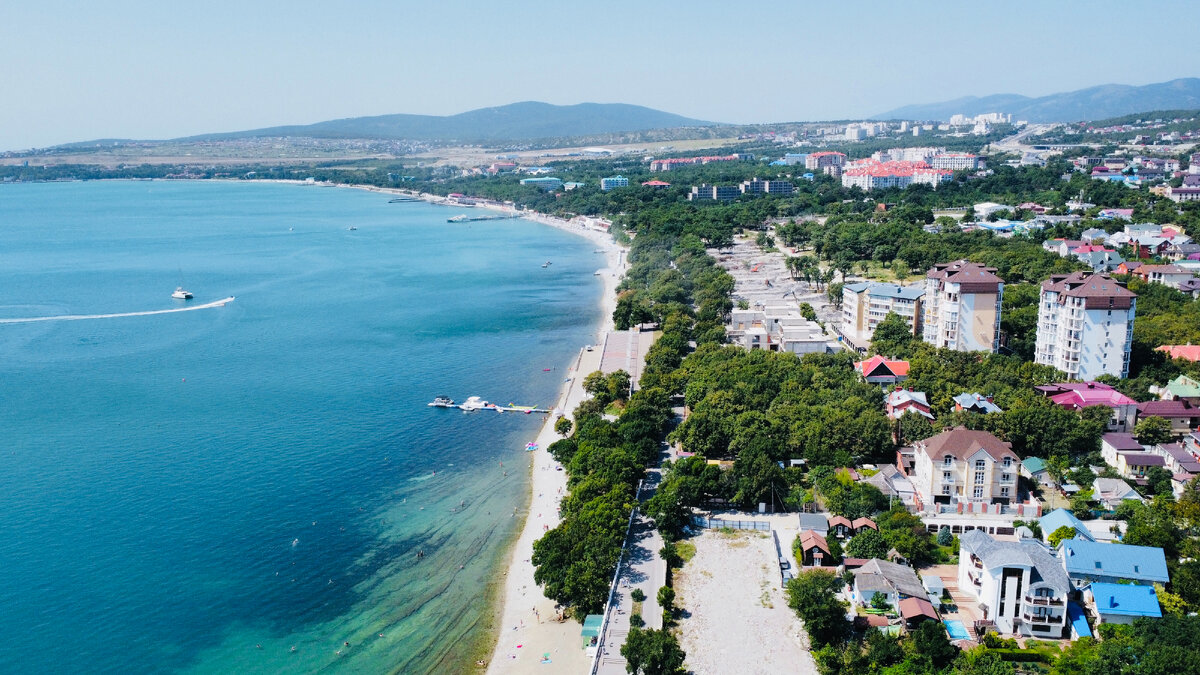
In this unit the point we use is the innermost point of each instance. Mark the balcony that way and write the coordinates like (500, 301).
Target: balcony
(1043, 601)
(1042, 618)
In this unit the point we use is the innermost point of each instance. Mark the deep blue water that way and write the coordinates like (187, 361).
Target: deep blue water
(202, 491)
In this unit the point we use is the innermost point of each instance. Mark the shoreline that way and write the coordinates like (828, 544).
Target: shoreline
(516, 639)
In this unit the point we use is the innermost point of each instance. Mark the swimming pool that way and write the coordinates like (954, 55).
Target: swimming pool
(956, 629)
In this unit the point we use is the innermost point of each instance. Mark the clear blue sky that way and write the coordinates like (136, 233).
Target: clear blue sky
(76, 71)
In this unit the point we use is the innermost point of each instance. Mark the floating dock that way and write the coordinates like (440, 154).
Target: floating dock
(475, 403)
(397, 200)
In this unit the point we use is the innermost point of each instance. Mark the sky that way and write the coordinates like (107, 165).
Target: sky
(75, 71)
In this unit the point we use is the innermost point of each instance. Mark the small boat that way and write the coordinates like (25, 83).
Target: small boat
(443, 402)
(546, 264)
(352, 228)
(181, 294)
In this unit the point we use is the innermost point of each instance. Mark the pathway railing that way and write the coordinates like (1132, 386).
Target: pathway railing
(612, 589)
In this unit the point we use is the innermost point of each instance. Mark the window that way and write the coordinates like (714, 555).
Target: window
(980, 465)
(948, 460)
(1007, 462)
(979, 478)
(1005, 478)
(1003, 492)
(978, 493)
(946, 475)
(946, 489)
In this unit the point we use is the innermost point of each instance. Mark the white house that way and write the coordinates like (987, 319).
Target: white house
(1019, 585)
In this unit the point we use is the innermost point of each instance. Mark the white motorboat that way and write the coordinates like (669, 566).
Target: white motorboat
(476, 403)
(181, 294)
(443, 402)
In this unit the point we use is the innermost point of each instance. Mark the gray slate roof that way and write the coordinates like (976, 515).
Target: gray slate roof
(883, 576)
(1044, 567)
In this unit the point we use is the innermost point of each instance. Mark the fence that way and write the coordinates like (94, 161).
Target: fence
(718, 523)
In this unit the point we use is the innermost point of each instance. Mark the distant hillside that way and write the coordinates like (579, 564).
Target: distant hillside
(1107, 100)
(515, 122)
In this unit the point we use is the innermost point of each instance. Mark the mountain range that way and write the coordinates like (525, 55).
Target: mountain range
(1106, 100)
(514, 122)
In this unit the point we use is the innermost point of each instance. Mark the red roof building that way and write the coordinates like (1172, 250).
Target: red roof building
(879, 370)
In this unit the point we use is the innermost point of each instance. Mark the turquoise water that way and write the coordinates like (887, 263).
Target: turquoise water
(203, 491)
(956, 629)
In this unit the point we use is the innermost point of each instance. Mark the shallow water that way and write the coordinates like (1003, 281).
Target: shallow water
(205, 490)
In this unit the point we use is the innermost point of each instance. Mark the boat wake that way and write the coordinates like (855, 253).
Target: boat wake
(81, 317)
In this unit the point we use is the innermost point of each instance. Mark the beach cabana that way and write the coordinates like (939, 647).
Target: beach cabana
(590, 635)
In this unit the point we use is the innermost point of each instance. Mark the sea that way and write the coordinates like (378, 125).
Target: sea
(260, 487)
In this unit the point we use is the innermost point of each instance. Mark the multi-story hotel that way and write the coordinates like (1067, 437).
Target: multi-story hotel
(964, 466)
(962, 306)
(1085, 325)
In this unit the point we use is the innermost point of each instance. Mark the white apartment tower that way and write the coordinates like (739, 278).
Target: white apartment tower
(962, 306)
(1085, 325)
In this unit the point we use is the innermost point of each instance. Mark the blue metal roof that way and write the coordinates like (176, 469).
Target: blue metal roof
(1078, 621)
(1034, 464)
(1091, 559)
(895, 291)
(1059, 517)
(1126, 600)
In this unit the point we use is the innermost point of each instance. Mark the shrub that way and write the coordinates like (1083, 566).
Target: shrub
(638, 596)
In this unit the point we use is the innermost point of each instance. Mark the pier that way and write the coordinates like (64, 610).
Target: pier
(473, 219)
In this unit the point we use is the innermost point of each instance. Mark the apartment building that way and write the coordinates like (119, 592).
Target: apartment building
(964, 466)
(829, 162)
(1085, 325)
(866, 304)
(769, 187)
(956, 161)
(720, 193)
(962, 306)
(776, 328)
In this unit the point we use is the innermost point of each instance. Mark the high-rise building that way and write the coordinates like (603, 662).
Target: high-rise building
(1085, 325)
(611, 182)
(962, 306)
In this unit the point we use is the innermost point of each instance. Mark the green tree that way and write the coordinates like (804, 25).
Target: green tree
(563, 426)
(893, 337)
(944, 536)
(1057, 536)
(813, 595)
(979, 661)
(867, 544)
(652, 652)
(1081, 503)
(1153, 430)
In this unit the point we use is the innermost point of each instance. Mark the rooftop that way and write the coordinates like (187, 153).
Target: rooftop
(1032, 554)
(882, 576)
(970, 401)
(962, 443)
(1122, 442)
(1137, 563)
(1060, 517)
(1189, 352)
(1126, 600)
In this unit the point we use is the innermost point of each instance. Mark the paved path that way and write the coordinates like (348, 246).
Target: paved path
(642, 567)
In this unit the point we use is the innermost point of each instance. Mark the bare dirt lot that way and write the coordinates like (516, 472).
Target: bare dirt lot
(735, 615)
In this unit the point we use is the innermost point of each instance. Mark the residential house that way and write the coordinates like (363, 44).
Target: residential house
(1188, 352)
(1122, 603)
(1093, 235)
(1080, 395)
(1179, 460)
(1019, 585)
(961, 466)
(1191, 286)
(1088, 562)
(1181, 251)
(866, 304)
(900, 401)
(1062, 247)
(1127, 267)
(962, 306)
(1112, 492)
(894, 484)
(895, 582)
(976, 403)
(1182, 416)
(1167, 275)
(1113, 444)
(1060, 518)
(1034, 468)
(814, 550)
(816, 522)
(1136, 464)
(840, 527)
(1099, 258)
(878, 370)
(864, 523)
(1085, 325)
(1182, 388)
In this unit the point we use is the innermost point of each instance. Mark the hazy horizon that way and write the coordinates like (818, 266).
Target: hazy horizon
(148, 71)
